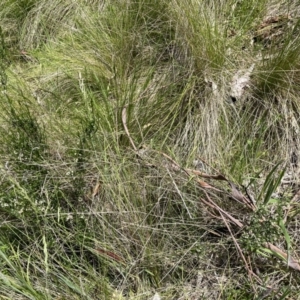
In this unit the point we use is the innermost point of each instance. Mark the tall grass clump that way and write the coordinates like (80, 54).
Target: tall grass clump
(148, 150)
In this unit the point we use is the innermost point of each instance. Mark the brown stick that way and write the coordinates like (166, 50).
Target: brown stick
(124, 120)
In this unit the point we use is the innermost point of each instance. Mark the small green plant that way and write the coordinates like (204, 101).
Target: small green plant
(267, 224)
(263, 227)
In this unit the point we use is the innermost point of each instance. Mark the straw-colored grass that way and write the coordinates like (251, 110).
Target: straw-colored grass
(149, 149)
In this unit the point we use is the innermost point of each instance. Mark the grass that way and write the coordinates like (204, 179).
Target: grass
(127, 160)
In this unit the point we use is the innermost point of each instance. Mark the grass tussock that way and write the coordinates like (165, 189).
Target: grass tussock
(149, 149)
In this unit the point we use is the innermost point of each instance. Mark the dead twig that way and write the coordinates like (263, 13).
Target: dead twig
(124, 120)
(212, 204)
(249, 270)
(291, 262)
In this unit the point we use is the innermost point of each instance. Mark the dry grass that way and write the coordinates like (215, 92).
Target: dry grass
(138, 155)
